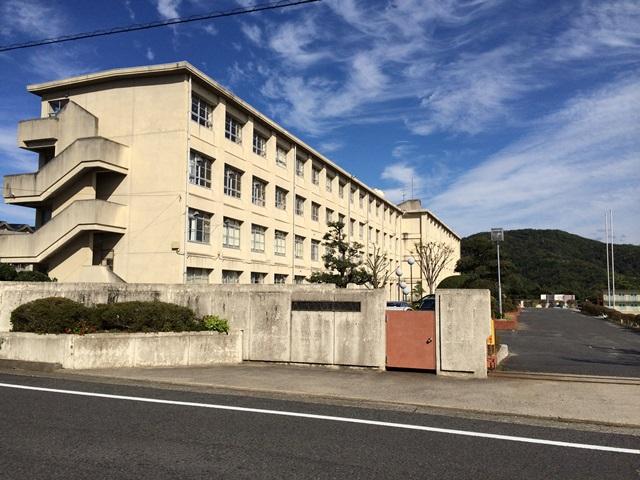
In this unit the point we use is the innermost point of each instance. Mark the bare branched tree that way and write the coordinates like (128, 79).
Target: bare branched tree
(378, 267)
(433, 258)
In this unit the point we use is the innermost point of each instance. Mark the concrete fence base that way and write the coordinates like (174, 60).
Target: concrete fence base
(113, 350)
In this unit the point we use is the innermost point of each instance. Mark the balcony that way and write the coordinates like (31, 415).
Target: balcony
(80, 216)
(71, 123)
(83, 154)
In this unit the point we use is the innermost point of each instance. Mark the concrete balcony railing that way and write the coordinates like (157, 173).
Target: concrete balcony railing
(71, 123)
(80, 216)
(83, 154)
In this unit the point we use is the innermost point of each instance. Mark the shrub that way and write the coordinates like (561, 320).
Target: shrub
(29, 276)
(7, 272)
(52, 315)
(213, 323)
(145, 317)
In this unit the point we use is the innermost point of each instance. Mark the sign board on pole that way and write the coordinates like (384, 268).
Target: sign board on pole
(497, 235)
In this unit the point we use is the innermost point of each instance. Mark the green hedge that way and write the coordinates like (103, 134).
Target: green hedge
(145, 317)
(626, 319)
(61, 315)
(53, 315)
(9, 274)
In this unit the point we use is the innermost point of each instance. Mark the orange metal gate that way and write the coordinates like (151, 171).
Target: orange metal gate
(411, 340)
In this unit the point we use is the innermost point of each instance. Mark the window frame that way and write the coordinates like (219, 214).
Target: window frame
(280, 240)
(256, 199)
(281, 156)
(298, 247)
(259, 147)
(199, 225)
(232, 129)
(195, 170)
(256, 232)
(227, 237)
(197, 116)
(281, 198)
(230, 190)
(299, 205)
(315, 211)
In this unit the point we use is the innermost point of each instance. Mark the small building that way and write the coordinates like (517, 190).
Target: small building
(624, 301)
(557, 299)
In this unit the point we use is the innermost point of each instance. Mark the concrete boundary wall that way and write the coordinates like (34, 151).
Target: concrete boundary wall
(463, 324)
(113, 350)
(270, 330)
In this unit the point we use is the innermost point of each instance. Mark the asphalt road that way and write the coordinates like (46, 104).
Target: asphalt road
(562, 341)
(46, 434)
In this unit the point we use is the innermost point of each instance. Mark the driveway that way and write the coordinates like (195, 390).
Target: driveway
(563, 341)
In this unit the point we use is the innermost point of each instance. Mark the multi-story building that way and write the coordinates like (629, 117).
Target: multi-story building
(625, 301)
(159, 174)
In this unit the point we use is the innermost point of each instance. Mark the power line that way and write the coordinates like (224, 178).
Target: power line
(160, 23)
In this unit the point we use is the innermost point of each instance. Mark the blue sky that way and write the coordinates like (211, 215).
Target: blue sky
(520, 114)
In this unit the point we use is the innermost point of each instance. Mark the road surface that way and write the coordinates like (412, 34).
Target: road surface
(556, 340)
(88, 430)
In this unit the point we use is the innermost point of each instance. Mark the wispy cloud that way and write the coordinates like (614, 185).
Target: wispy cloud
(574, 164)
(168, 8)
(150, 55)
(13, 159)
(253, 32)
(32, 17)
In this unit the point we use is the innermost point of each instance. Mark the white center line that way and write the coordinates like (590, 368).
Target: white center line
(331, 418)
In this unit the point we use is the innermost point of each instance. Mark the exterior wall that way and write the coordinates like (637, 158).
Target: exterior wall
(118, 350)
(463, 324)
(263, 313)
(625, 301)
(149, 116)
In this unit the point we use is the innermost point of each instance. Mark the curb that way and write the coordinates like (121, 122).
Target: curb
(30, 366)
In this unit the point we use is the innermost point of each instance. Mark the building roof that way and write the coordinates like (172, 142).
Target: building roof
(414, 206)
(187, 68)
(16, 227)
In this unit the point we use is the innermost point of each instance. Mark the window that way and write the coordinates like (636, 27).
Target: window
(352, 196)
(299, 205)
(329, 214)
(341, 189)
(199, 226)
(279, 279)
(258, 277)
(300, 167)
(315, 175)
(361, 233)
(329, 182)
(231, 276)
(56, 106)
(198, 275)
(370, 204)
(299, 247)
(281, 157)
(233, 129)
(361, 200)
(352, 226)
(232, 181)
(378, 236)
(315, 212)
(231, 233)
(298, 279)
(281, 198)
(201, 111)
(258, 192)
(315, 250)
(341, 218)
(259, 145)
(199, 169)
(257, 238)
(280, 243)
(377, 209)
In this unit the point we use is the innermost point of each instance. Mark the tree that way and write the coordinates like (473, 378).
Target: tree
(433, 258)
(378, 268)
(342, 260)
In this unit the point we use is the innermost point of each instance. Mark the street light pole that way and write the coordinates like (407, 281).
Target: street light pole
(497, 235)
(411, 261)
(398, 274)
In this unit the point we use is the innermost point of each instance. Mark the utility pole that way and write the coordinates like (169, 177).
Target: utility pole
(606, 240)
(613, 267)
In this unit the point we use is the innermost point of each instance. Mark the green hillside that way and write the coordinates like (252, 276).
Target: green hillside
(548, 261)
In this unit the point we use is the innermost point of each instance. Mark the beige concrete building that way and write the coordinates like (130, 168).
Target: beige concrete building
(158, 174)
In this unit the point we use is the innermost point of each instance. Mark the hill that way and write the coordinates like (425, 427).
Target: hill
(550, 261)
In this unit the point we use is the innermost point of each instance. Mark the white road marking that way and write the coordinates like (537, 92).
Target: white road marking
(424, 428)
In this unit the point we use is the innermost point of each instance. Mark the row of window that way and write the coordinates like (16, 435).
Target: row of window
(201, 275)
(200, 174)
(201, 112)
(200, 226)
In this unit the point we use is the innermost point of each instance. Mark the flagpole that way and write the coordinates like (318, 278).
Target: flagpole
(606, 240)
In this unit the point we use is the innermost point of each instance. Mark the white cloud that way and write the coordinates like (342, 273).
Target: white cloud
(31, 17)
(14, 159)
(603, 28)
(330, 146)
(253, 32)
(210, 29)
(129, 9)
(573, 165)
(57, 61)
(168, 8)
(150, 55)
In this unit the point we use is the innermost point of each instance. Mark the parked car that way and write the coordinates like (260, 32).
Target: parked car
(427, 303)
(404, 306)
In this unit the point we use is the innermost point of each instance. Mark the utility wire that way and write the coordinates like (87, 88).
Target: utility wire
(160, 23)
